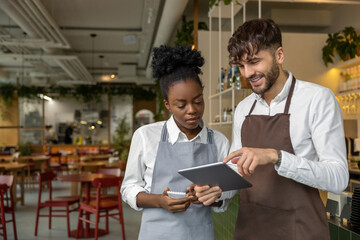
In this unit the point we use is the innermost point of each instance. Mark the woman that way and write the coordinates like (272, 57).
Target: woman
(160, 149)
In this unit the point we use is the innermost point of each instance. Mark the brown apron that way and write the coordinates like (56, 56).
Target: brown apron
(276, 207)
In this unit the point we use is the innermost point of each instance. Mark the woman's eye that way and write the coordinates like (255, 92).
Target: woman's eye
(182, 106)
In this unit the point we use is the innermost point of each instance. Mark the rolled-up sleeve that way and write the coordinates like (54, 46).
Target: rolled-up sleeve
(133, 182)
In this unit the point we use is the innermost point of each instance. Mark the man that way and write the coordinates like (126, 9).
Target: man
(288, 141)
(50, 134)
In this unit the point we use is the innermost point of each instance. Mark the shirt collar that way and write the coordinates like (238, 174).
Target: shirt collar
(175, 134)
(284, 92)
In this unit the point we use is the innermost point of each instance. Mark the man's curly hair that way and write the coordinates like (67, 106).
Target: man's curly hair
(253, 36)
(174, 64)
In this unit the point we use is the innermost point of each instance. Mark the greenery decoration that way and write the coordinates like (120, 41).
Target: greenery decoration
(216, 2)
(25, 149)
(161, 106)
(345, 43)
(121, 140)
(84, 93)
(7, 93)
(184, 35)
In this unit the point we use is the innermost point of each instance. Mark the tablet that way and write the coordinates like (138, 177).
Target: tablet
(216, 174)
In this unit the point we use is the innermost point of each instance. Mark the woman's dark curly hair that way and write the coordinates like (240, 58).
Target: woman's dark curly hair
(253, 36)
(174, 64)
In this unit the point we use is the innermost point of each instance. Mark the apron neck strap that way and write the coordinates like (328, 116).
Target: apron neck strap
(288, 100)
(209, 136)
(252, 107)
(164, 133)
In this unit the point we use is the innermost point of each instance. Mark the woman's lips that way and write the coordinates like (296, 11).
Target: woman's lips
(193, 120)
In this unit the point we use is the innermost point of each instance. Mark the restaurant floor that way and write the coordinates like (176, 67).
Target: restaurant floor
(25, 219)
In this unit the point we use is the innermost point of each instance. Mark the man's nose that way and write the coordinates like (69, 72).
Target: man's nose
(248, 71)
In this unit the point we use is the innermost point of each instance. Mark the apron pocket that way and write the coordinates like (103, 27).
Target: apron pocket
(260, 222)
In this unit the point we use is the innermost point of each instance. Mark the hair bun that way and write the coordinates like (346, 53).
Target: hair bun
(166, 59)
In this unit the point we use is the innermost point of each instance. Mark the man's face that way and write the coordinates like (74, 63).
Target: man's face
(261, 70)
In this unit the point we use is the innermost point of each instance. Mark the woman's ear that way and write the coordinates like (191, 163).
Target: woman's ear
(167, 105)
(280, 55)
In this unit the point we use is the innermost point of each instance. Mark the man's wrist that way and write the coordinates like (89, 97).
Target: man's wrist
(279, 159)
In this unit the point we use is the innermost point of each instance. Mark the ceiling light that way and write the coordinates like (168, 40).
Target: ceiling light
(83, 122)
(42, 96)
(112, 76)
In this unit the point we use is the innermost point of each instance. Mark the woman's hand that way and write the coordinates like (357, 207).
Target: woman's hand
(205, 194)
(191, 194)
(173, 205)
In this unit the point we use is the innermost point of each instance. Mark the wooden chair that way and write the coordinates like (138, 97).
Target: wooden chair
(7, 204)
(62, 202)
(102, 205)
(109, 171)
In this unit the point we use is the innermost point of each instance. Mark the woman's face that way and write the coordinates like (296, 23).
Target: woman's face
(187, 105)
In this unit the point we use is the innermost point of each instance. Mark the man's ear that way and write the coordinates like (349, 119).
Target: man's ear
(280, 55)
(166, 103)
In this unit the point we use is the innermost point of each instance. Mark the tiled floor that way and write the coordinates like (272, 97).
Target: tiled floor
(25, 220)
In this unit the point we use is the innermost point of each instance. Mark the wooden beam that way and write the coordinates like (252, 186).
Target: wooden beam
(196, 23)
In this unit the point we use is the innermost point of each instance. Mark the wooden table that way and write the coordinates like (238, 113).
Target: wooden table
(86, 178)
(41, 160)
(13, 169)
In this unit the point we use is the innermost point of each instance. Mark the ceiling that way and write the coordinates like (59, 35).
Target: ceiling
(70, 42)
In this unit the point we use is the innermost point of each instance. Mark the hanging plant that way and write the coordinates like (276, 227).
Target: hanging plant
(29, 92)
(88, 93)
(7, 93)
(184, 35)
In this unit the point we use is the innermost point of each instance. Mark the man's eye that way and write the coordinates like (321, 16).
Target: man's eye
(182, 106)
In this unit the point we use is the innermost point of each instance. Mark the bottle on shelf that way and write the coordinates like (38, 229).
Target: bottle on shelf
(237, 76)
(220, 86)
(225, 115)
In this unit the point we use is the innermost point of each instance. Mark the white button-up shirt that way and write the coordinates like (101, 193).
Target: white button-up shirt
(316, 131)
(142, 155)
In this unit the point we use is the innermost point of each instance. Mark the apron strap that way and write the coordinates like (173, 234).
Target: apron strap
(252, 108)
(164, 134)
(210, 136)
(288, 100)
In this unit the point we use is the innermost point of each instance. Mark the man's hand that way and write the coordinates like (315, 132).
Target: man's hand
(247, 159)
(205, 194)
(173, 205)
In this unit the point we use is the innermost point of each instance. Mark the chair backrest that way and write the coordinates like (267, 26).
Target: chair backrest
(6, 183)
(106, 182)
(7, 179)
(110, 171)
(47, 176)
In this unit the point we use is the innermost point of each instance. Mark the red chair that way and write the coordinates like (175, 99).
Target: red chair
(7, 203)
(110, 171)
(63, 202)
(101, 205)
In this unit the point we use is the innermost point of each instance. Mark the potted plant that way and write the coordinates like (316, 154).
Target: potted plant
(121, 140)
(345, 43)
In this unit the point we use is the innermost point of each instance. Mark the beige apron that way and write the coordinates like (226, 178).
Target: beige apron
(277, 207)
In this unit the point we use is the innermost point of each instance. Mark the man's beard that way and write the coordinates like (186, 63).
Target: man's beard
(270, 78)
